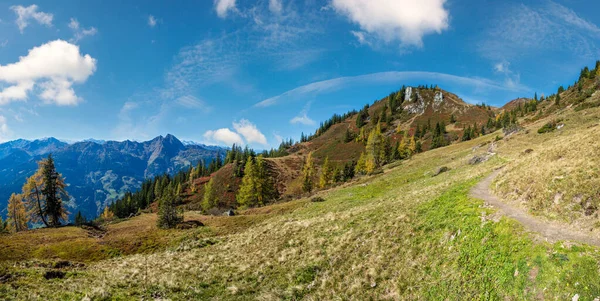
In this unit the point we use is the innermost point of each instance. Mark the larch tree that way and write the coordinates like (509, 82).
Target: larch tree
(247, 195)
(308, 171)
(375, 149)
(210, 199)
(33, 197)
(326, 174)
(361, 164)
(54, 192)
(17, 215)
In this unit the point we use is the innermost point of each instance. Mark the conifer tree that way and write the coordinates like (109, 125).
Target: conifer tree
(361, 164)
(178, 190)
(17, 215)
(107, 214)
(33, 197)
(55, 193)
(210, 199)
(326, 174)
(403, 147)
(412, 147)
(79, 219)
(307, 174)
(168, 214)
(3, 226)
(375, 150)
(256, 186)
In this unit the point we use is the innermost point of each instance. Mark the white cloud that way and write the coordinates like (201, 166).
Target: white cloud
(406, 21)
(5, 132)
(275, 6)
(223, 7)
(389, 77)
(54, 67)
(79, 32)
(250, 132)
(225, 136)
(25, 14)
(527, 30)
(302, 119)
(192, 102)
(152, 21)
(3, 43)
(243, 128)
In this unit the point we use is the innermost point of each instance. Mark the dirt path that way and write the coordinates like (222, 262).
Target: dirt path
(550, 231)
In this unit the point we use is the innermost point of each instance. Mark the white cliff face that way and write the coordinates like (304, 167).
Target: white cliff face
(438, 99)
(417, 107)
(407, 93)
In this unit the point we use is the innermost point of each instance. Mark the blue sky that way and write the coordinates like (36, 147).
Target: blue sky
(253, 72)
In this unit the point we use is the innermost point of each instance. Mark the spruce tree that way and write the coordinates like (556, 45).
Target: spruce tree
(307, 174)
(79, 219)
(54, 192)
(17, 215)
(168, 213)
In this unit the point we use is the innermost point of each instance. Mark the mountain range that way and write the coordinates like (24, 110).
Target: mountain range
(98, 172)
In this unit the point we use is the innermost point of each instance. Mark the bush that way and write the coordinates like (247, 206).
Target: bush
(549, 127)
(317, 199)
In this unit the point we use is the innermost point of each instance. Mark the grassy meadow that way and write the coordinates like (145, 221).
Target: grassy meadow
(401, 235)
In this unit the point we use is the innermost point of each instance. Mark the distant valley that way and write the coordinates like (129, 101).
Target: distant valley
(98, 172)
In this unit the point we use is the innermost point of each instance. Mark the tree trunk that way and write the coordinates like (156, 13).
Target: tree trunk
(39, 203)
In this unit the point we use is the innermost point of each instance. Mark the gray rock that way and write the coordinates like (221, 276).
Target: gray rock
(440, 170)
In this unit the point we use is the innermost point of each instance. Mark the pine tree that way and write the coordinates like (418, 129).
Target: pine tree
(326, 174)
(557, 99)
(210, 198)
(168, 214)
(17, 215)
(307, 174)
(54, 192)
(419, 147)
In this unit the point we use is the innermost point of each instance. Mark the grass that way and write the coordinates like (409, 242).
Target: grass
(402, 234)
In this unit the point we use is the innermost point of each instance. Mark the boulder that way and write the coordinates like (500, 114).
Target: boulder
(440, 170)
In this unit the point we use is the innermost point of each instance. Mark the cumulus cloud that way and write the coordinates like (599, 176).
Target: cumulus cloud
(223, 7)
(80, 32)
(243, 128)
(152, 21)
(406, 21)
(225, 136)
(53, 67)
(250, 132)
(26, 14)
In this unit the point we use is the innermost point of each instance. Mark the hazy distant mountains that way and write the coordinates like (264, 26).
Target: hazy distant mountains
(98, 171)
